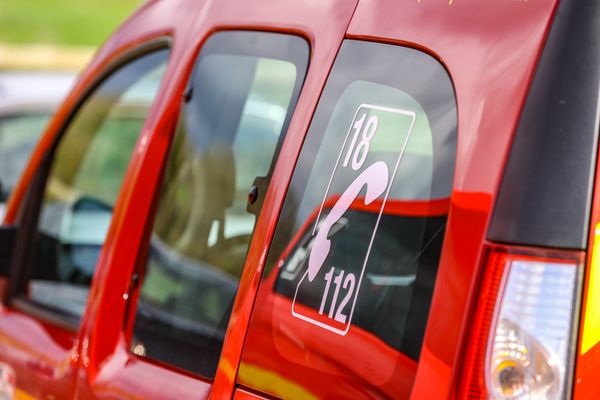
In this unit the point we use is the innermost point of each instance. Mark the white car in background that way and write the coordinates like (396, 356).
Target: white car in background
(27, 101)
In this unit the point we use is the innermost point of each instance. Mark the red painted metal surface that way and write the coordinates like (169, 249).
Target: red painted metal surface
(490, 50)
(106, 370)
(43, 356)
(323, 25)
(126, 376)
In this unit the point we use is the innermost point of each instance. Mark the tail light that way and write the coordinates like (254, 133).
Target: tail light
(523, 331)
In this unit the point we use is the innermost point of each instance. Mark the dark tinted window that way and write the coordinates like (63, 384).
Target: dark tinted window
(243, 92)
(388, 286)
(84, 180)
(352, 265)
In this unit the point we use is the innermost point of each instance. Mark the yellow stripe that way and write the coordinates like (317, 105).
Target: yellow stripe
(269, 381)
(591, 321)
(227, 369)
(44, 57)
(22, 395)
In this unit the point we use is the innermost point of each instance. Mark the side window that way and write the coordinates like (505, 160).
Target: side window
(350, 272)
(241, 97)
(84, 179)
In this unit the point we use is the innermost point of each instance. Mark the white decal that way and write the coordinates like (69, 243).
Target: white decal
(341, 287)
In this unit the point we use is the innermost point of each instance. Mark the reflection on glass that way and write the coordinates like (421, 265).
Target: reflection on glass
(351, 268)
(227, 138)
(388, 281)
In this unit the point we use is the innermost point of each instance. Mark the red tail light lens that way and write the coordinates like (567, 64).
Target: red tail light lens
(522, 336)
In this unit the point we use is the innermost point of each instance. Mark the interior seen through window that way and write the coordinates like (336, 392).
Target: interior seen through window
(83, 182)
(242, 94)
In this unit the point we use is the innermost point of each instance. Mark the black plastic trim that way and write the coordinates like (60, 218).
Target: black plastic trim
(546, 192)
(47, 314)
(7, 241)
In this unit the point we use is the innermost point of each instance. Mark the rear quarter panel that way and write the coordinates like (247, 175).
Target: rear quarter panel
(490, 50)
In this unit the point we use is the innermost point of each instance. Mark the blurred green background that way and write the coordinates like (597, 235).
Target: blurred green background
(61, 22)
(57, 34)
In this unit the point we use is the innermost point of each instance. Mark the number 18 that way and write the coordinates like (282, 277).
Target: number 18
(360, 155)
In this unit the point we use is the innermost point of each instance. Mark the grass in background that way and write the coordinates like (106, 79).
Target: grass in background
(62, 22)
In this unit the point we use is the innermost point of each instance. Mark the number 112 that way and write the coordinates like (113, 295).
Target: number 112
(349, 284)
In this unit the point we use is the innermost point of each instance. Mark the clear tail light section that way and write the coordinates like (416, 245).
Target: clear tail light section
(524, 326)
(531, 340)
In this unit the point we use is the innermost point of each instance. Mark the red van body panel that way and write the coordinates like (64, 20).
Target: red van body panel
(490, 50)
(106, 367)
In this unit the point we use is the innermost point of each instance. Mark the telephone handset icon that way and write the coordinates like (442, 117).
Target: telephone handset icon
(375, 179)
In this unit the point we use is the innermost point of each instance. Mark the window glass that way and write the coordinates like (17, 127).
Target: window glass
(350, 273)
(83, 182)
(243, 92)
(18, 135)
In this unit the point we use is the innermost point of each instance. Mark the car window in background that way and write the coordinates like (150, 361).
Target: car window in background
(85, 176)
(27, 101)
(22, 88)
(243, 92)
(350, 272)
(18, 135)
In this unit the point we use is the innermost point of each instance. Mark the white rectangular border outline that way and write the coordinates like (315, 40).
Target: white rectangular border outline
(410, 129)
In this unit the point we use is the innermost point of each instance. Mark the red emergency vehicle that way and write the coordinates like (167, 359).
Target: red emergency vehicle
(315, 199)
